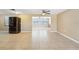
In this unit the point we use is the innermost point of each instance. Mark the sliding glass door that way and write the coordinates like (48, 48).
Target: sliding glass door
(41, 21)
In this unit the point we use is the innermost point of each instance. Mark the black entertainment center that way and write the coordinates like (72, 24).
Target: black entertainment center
(14, 25)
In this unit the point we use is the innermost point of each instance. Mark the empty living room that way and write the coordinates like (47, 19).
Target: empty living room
(39, 29)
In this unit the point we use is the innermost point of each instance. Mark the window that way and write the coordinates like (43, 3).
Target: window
(6, 21)
(41, 20)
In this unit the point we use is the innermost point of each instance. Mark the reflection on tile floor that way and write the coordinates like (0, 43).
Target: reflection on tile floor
(39, 38)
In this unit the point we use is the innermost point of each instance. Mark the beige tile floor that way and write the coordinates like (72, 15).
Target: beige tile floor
(38, 39)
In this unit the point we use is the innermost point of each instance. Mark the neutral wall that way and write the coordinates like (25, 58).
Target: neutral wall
(2, 23)
(68, 23)
(26, 22)
(54, 23)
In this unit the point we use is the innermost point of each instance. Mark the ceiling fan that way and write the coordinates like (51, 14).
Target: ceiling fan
(46, 12)
(12, 9)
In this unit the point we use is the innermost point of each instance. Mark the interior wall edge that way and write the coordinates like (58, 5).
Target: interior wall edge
(74, 40)
(64, 11)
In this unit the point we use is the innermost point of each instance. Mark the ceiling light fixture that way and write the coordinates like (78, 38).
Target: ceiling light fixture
(43, 14)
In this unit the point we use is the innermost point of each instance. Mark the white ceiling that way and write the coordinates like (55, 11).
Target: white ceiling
(31, 11)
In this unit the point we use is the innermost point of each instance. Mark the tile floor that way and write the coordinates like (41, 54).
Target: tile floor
(38, 39)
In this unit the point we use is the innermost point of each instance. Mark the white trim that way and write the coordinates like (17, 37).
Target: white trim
(69, 37)
(3, 31)
(53, 31)
(26, 31)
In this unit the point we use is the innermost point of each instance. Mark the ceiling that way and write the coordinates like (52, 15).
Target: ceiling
(31, 11)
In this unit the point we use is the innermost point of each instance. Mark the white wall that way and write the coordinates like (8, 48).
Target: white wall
(68, 23)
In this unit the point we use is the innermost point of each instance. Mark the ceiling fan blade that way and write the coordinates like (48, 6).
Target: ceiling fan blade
(12, 9)
(48, 13)
(43, 10)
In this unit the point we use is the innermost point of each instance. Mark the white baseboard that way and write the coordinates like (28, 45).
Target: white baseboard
(26, 31)
(69, 37)
(53, 31)
(3, 31)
